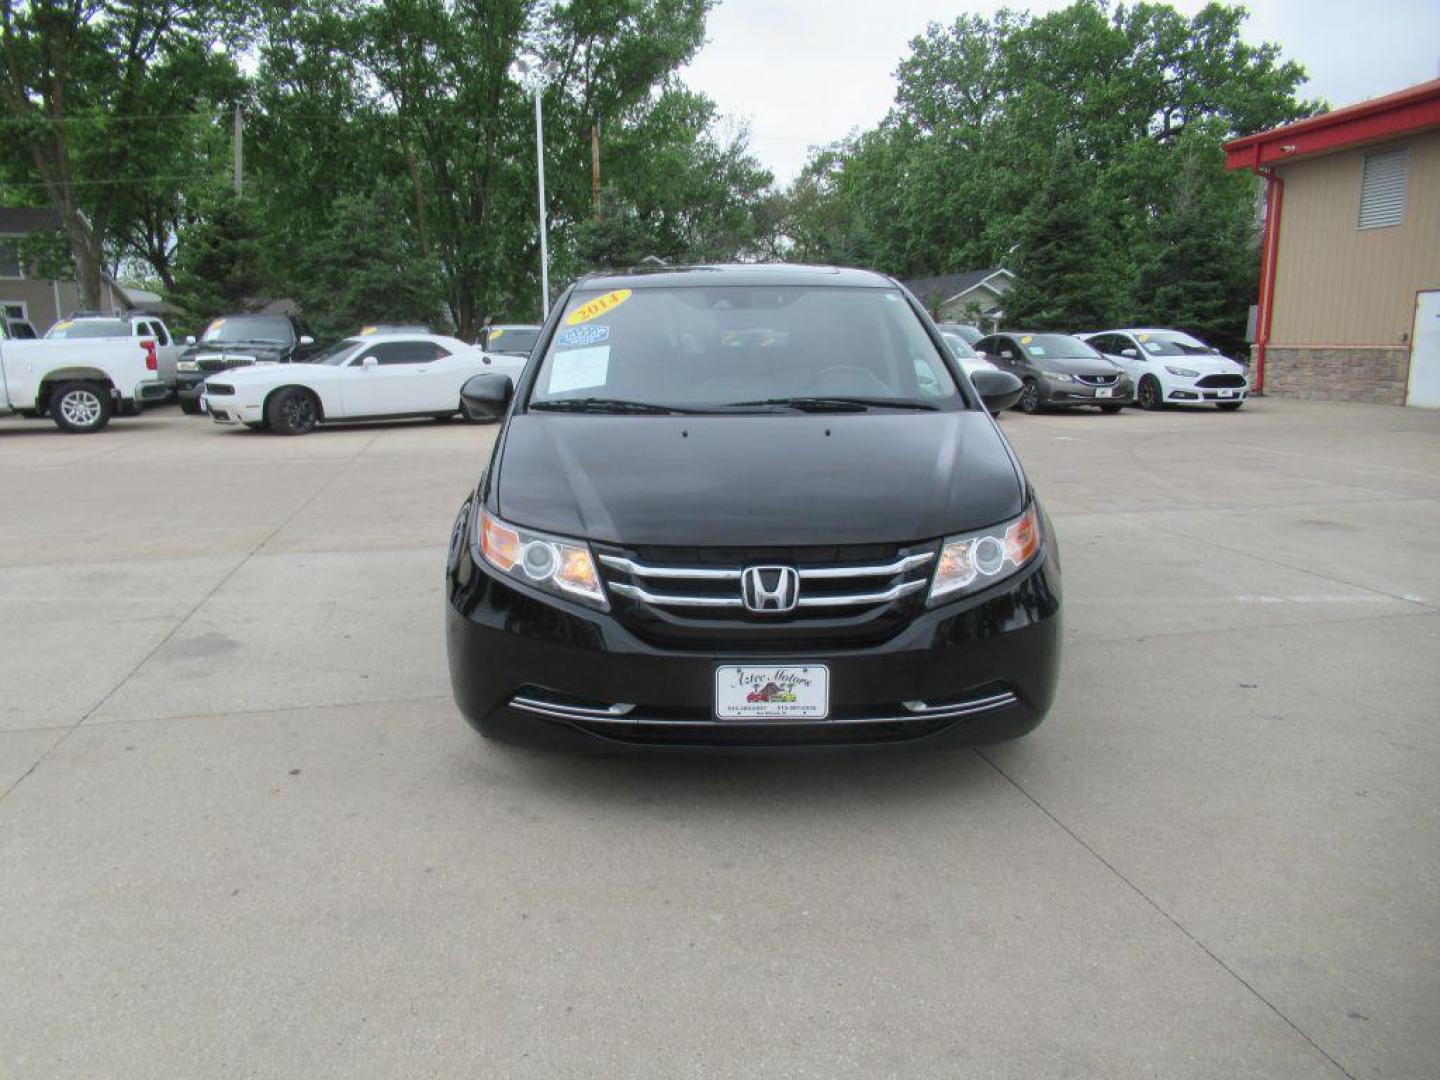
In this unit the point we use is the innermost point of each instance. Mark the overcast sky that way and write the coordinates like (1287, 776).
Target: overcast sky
(806, 72)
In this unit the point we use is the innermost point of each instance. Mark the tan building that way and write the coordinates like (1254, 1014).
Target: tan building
(36, 300)
(1349, 305)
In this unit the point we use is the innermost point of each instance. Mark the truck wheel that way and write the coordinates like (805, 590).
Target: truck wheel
(292, 412)
(80, 407)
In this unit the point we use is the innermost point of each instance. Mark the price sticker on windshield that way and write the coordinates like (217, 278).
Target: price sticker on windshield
(593, 309)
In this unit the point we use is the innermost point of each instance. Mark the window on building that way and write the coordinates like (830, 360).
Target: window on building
(10, 258)
(1382, 189)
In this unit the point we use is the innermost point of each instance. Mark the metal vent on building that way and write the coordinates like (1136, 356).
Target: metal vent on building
(1382, 190)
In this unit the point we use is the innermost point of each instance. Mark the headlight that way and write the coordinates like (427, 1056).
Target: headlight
(977, 560)
(539, 559)
(187, 365)
(1058, 376)
(1183, 372)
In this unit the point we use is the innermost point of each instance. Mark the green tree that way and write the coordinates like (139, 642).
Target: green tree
(76, 77)
(221, 264)
(1065, 273)
(368, 266)
(1205, 229)
(948, 180)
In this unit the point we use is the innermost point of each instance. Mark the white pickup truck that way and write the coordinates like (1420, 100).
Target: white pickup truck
(134, 324)
(78, 384)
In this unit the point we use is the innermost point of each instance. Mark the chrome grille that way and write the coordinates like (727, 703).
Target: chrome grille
(1098, 380)
(732, 599)
(848, 594)
(222, 361)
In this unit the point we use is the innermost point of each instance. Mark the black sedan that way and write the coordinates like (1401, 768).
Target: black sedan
(1058, 370)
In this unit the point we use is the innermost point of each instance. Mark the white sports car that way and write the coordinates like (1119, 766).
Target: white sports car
(1169, 367)
(382, 375)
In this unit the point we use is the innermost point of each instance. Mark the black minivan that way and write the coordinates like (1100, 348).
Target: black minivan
(750, 506)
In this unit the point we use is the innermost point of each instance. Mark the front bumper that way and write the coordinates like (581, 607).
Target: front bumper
(528, 667)
(151, 391)
(1053, 393)
(1187, 393)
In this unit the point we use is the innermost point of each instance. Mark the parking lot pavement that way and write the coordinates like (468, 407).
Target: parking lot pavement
(245, 832)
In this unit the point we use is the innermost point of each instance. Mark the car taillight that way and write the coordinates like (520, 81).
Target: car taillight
(152, 362)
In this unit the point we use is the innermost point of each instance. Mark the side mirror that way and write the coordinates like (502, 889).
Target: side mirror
(486, 396)
(998, 389)
(306, 339)
(368, 362)
(1131, 353)
(189, 339)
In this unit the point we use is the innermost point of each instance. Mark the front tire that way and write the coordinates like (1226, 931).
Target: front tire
(292, 412)
(1029, 402)
(80, 408)
(1150, 396)
(1228, 406)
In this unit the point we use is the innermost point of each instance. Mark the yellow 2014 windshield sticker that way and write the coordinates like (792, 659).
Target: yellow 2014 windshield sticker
(1027, 339)
(593, 309)
(64, 325)
(496, 332)
(368, 330)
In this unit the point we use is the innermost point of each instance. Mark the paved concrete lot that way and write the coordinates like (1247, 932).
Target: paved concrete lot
(245, 833)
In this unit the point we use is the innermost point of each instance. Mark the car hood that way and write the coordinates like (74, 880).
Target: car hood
(757, 480)
(1079, 365)
(251, 375)
(1205, 365)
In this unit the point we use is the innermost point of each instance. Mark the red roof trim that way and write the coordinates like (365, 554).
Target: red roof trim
(1413, 109)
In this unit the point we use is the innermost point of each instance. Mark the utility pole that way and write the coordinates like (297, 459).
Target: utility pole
(544, 244)
(595, 166)
(238, 150)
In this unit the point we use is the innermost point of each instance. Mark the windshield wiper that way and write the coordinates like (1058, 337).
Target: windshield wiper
(838, 404)
(607, 405)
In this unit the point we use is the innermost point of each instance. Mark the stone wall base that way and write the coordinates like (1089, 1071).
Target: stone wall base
(1374, 374)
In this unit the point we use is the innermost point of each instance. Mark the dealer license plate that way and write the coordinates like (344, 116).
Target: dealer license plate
(800, 692)
(1104, 391)
(1225, 393)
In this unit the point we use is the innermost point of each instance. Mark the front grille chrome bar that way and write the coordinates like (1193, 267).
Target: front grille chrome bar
(899, 566)
(626, 566)
(905, 588)
(634, 592)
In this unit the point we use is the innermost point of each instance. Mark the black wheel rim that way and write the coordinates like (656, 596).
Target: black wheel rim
(1030, 398)
(1147, 395)
(298, 411)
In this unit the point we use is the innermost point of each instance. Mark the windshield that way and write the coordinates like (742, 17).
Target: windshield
(958, 345)
(89, 328)
(712, 347)
(514, 339)
(336, 354)
(1172, 343)
(1057, 346)
(249, 328)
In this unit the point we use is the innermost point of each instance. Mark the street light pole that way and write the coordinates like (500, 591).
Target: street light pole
(544, 242)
